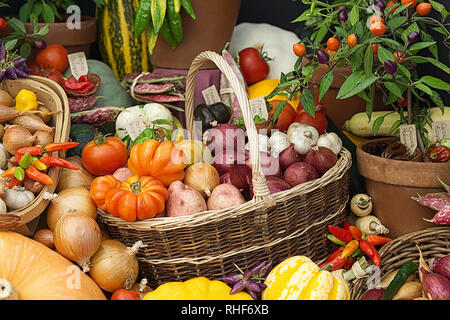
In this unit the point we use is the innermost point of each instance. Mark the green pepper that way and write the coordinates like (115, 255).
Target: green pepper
(142, 17)
(25, 161)
(335, 240)
(400, 278)
(217, 112)
(19, 173)
(186, 4)
(175, 21)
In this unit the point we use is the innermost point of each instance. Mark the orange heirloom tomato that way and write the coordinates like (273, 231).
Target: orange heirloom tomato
(423, 9)
(412, 5)
(399, 57)
(375, 48)
(377, 28)
(299, 49)
(137, 198)
(333, 44)
(100, 187)
(162, 161)
(352, 40)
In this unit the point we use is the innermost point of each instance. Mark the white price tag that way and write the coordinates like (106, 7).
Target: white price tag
(258, 107)
(441, 130)
(211, 95)
(135, 128)
(78, 64)
(408, 137)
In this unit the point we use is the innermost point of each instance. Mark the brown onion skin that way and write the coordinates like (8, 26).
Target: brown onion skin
(300, 172)
(289, 156)
(322, 159)
(45, 236)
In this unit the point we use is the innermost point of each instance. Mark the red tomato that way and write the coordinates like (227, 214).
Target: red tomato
(3, 23)
(286, 116)
(253, 66)
(34, 67)
(51, 74)
(54, 56)
(123, 294)
(319, 122)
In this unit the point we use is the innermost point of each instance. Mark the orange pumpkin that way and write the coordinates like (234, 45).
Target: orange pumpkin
(137, 198)
(100, 187)
(162, 161)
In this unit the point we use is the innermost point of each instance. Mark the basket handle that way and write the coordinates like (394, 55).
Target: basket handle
(259, 183)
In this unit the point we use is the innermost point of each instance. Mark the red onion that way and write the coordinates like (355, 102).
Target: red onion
(225, 178)
(321, 158)
(435, 286)
(241, 176)
(223, 160)
(270, 165)
(225, 136)
(442, 267)
(275, 185)
(288, 156)
(300, 172)
(373, 294)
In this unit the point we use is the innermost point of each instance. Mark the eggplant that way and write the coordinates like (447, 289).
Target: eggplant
(217, 112)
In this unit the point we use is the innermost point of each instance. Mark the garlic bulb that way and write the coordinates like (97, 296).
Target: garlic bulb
(331, 141)
(304, 137)
(263, 144)
(278, 142)
(17, 198)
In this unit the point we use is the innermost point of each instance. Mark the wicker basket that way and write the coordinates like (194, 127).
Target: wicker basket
(53, 97)
(269, 227)
(433, 242)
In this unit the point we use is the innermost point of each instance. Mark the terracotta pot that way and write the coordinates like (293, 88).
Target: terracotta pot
(392, 183)
(75, 40)
(210, 31)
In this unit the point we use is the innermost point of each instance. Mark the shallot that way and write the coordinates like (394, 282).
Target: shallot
(45, 236)
(300, 172)
(442, 266)
(288, 156)
(435, 286)
(321, 158)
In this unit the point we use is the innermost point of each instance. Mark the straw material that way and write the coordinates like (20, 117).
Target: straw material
(269, 227)
(433, 242)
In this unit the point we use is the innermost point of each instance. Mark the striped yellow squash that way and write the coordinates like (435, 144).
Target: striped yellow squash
(119, 48)
(298, 278)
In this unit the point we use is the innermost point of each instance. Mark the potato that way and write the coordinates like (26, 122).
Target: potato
(225, 196)
(184, 200)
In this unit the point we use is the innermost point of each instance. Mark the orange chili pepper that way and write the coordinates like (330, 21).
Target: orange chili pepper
(9, 173)
(350, 248)
(51, 147)
(36, 175)
(356, 233)
(377, 240)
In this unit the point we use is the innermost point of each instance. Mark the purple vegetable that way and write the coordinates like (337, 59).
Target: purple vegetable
(11, 73)
(40, 44)
(262, 286)
(238, 286)
(147, 88)
(98, 116)
(267, 269)
(342, 16)
(435, 286)
(159, 97)
(153, 78)
(253, 294)
(232, 279)
(390, 67)
(252, 286)
(300, 172)
(373, 294)
(413, 37)
(258, 268)
(19, 62)
(20, 73)
(442, 267)
(380, 4)
(77, 104)
(323, 56)
(2, 51)
(241, 176)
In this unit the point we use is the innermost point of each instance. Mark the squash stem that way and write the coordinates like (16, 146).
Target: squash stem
(7, 291)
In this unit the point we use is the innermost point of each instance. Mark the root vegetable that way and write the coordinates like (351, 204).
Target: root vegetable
(74, 178)
(321, 158)
(17, 137)
(409, 291)
(43, 137)
(300, 172)
(241, 176)
(2, 130)
(6, 99)
(435, 286)
(225, 196)
(3, 208)
(32, 122)
(17, 198)
(33, 186)
(44, 114)
(289, 156)
(202, 177)
(371, 225)
(184, 200)
(361, 205)
(442, 266)
(4, 157)
(45, 236)
(275, 185)
(3, 188)
(331, 141)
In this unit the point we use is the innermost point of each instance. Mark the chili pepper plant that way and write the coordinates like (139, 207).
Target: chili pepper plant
(382, 43)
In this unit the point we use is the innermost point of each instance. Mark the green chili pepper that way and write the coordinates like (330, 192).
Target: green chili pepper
(186, 4)
(177, 6)
(142, 17)
(25, 161)
(19, 173)
(151, 39)
(175, 21)
(335, 240)
(167, 34)
(158, 13)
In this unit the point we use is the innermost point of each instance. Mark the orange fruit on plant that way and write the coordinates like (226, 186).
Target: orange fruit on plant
(376, 18)
(333, 44)
(394, 6)
(377, 28)
(352, 40)
(299, 49)
(399, 57)
(412, 5)
(374, 47)
(423, 9)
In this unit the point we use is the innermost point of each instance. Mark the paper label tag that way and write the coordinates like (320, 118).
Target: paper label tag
(135, 128)
(78, 64)
(408, 137)
(258, 107)
(441, 130)
(211, 95)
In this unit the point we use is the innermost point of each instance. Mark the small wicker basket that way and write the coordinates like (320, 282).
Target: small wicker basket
(269, 227)
(54, 98)
(433, 242)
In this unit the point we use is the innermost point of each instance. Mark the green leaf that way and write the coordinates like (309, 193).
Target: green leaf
(307, 71)
(400, 9)
(47, 13)
(441, 30)
(367, 81)
(436, 63)
(278, 110)
(325, 84)
(34, 20)
(17, 25)
(436, 98)
(439, 8)
(25, 11)
(306, 15)
(419, 46)
(369, 104)
(412, 28)
(404, 70)
(396, 22)
(394, 89)
(423, 88)
(308, 103)
(351, 81)
(9, 45)
(354, 15)
(25, 50)
(323, 30)
(356, 61)
(395, 126)
(435, 83)
(377, 124)
(43, 31)
(391, 43)
(368, 61)
(384, 54)
(37, 8)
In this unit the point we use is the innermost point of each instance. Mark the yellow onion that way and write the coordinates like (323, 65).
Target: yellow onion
(142, 288)
(68, 201)
(3, 188)
(17, 137)
(75, 178)
(202, 177)
(45, 236)
(77, 237)
(44, 113)
(43, 137)
(6, 99)
(115, 266)
(32, 122)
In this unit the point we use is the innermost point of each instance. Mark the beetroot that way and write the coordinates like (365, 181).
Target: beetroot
(98, 116)
(300, 172)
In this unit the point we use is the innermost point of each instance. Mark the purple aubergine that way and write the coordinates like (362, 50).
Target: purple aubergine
(238, 287)
(233, 278)
(342, 16)
(413, 37)
(40, 44)
(390, 67)
(380, 4)
(323, 56)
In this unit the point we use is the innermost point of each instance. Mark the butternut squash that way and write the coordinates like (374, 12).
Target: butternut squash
(36, 272)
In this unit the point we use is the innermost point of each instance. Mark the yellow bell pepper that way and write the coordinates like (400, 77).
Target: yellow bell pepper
(26, 100)
(199, 288)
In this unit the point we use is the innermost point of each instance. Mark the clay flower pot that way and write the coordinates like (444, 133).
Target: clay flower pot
(210, 31)
(392, 183)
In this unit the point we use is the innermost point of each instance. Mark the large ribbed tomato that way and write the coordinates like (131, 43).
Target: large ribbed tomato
(100, 186)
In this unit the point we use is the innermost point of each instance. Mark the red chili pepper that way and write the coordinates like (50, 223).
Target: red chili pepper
(348, 264)
(33, 151)
(60, 146)
(346, 225)
(59, 162)
(334, 264)
(440, 154)
(334, 254)
(370, 251)
(83, 85)
(340, 233)
(377, 240)
(356, 233)
(14, 182)
(36, 175)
